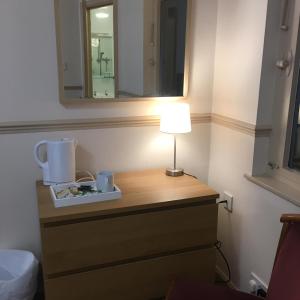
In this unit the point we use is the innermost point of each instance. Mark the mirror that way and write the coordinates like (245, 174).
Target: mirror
(122, 50)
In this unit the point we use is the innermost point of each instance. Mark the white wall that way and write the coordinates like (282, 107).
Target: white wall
(250, 234)
(29, 92)
(240, 43)
(201, 79)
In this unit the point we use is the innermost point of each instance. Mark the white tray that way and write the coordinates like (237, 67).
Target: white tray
(85, 199)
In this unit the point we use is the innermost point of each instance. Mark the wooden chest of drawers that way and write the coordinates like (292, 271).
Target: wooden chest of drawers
(133, 248)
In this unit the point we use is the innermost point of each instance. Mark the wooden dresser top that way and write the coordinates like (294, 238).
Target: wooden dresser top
(141, 190)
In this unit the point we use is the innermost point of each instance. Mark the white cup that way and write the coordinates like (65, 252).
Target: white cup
(105, 182)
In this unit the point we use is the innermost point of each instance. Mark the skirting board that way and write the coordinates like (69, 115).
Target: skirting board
(123, 122)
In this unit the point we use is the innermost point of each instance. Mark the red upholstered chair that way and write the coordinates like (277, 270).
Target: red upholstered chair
(285, 279)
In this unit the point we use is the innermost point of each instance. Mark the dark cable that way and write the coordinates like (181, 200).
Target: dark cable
(221, 202)
(218, 246)
(187, 174)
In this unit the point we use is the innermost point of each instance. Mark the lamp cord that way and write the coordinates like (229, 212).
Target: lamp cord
(187, 174)
(218, 246)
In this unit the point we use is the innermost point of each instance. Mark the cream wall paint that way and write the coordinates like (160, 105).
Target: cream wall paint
(250, 234)
(29, 92)
(240, 44)
(203, 39)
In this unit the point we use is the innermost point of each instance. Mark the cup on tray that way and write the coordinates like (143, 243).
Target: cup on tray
(105, 182)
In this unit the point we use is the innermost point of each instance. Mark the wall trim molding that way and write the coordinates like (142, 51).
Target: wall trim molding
(123, 122)
(77, 124)
(241, 126)
(85, 124)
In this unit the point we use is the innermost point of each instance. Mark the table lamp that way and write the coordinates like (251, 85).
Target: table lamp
(175, 119)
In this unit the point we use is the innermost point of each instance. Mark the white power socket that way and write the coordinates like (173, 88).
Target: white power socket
(229, 198)
(255, 284)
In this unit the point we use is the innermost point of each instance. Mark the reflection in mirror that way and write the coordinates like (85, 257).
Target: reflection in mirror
(101, 55)
(112, 49)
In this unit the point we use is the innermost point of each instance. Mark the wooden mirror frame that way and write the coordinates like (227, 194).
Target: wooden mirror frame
(74, 101)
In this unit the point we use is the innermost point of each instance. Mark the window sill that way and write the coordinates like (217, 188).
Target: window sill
(277, 187)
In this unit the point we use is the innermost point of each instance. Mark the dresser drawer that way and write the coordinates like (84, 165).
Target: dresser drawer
(74, 247)
(143, 280)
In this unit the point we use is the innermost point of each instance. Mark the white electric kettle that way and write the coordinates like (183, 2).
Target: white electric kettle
(60, 164)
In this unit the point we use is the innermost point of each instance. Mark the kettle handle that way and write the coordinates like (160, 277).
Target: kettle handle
(36, 154)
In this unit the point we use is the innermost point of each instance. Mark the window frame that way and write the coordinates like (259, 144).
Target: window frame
(284, 106)
(294, 112)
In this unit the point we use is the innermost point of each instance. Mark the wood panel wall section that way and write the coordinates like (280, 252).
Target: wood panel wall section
(132, 248)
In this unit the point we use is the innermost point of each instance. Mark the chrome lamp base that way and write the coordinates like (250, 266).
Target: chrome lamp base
(174, 172)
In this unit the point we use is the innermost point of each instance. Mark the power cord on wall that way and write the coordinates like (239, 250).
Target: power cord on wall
(190, 175)
(223, 202)
(218, 246)
(219, 202)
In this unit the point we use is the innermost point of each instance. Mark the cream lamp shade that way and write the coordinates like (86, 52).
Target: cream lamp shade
(175, 118)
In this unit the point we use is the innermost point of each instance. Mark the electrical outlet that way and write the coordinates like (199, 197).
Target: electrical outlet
(256, 284)
(229, 198)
